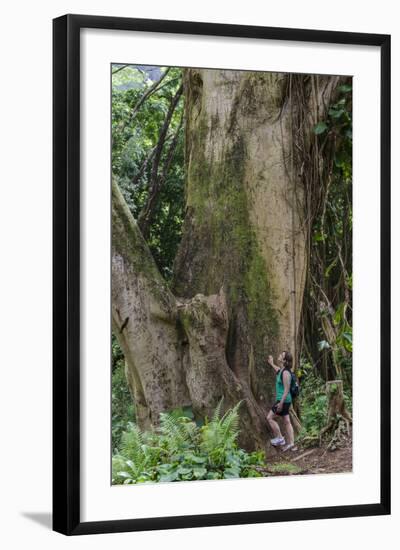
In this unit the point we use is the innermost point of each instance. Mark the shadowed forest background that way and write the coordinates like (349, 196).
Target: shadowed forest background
(232, 240)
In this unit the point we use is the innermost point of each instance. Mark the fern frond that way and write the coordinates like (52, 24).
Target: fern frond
(178, 432)
(132, 447)
(217, 413)
(230, 424)
(221, 433)
(118, 465)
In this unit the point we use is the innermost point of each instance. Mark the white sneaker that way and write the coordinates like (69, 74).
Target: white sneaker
(278, 441)
(289, 447)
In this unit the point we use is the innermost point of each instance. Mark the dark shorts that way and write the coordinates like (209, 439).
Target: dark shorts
(284, 411)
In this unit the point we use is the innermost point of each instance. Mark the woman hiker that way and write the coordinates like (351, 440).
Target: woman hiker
(283, 401)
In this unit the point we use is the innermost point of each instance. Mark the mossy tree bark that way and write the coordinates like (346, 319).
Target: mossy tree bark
(240, 270)
(174, 348)
(144, 319)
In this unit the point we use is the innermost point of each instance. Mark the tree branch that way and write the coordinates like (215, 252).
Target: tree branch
(120, 69)
(156, 180)
(146, 95)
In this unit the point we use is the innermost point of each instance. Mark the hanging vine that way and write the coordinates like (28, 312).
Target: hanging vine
(321, 167)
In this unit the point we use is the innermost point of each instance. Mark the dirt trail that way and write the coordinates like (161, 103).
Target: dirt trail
(306, 460)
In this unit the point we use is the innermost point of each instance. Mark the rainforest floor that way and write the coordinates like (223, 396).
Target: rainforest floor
(310, 460)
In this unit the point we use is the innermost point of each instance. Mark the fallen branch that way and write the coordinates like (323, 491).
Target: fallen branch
(303, 455)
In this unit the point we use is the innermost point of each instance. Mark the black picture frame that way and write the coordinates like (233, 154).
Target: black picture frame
(66, 273)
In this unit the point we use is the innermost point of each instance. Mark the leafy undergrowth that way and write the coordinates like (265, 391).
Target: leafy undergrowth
(180, 450)
(306, 461)
(283, 468)
(314, 409)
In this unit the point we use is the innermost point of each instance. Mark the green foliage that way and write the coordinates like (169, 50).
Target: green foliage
(134, 138)
(344, 339)
(327, 313)
(122, 405)
(180, 450)
(313, 407)
(320, 128)
(342, 347)
(314, 403)
(284, 468)
(219, 436)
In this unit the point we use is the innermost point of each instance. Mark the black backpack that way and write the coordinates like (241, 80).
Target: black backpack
(294, 385)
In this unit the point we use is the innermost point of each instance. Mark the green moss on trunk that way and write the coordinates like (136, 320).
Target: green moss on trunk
(220, 246)
(129, 243)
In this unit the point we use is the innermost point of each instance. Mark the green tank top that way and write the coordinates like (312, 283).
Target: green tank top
(280, 388)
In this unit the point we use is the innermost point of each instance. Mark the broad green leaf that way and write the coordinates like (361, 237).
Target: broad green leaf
(345, 88)
(348, 336)
(195, 459)
(173, 476)
(340, 313)
(199, 473)
(184, 471)
(231, 472)
(125, 474)
(336, 113)
(323, 344)
(330, 267)
(320, 128)
(318, 237)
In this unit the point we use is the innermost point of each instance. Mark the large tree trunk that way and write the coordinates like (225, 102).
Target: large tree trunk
(174, 349)
(242, 229)
(240, 270)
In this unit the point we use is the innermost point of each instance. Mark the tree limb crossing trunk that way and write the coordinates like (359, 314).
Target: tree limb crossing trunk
(144, 316)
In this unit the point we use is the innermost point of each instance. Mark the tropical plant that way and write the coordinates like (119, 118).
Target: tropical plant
(123, 408)
(327, 313)
(314, 404)
(219, 435)
(180, 450)
(148, 153)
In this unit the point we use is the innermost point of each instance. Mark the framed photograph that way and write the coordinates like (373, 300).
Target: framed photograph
(221, 274)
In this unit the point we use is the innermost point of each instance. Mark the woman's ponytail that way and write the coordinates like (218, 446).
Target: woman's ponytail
(288, 360)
